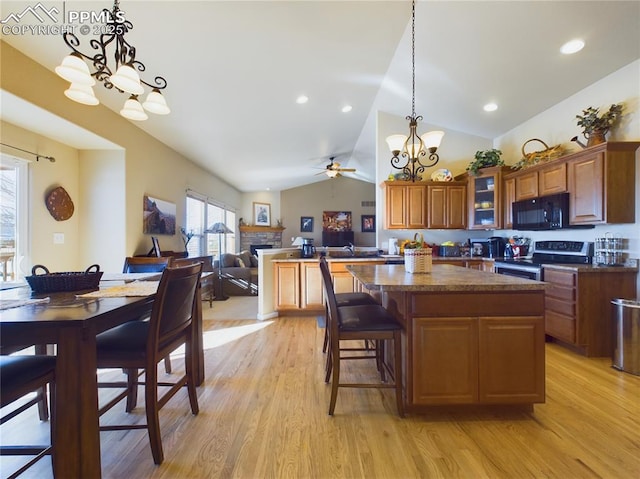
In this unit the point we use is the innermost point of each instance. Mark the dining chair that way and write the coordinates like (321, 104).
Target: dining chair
(21, 375)
(344, 299)
(207, 267)
(143, 344)
(146, 264)
(368, 322)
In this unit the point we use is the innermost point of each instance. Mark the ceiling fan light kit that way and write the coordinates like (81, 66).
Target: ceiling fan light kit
(123, 76)
(410, 149)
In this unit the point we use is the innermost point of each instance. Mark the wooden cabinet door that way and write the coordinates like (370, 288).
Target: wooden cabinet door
(552, 179)
(586, 189)
(511, 359)
(526, 186)
(396, 207)
(509, 198)
(457, 206)
(311, 287)
(445, 361)
(437, 198)
(287, 285)
(416, 207)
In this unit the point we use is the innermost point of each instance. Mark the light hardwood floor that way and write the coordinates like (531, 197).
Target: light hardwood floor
(263, 414)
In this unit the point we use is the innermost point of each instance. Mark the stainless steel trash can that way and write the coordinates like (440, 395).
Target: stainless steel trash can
(626, 352)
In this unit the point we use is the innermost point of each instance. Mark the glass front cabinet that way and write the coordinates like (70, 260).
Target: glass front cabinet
(484, 194)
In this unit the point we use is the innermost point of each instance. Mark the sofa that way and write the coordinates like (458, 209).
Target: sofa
(239, 274)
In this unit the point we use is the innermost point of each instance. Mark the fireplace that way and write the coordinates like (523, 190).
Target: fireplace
(260, 236)
(254, 247)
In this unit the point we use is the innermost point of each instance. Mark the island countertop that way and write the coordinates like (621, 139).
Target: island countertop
(443, 277)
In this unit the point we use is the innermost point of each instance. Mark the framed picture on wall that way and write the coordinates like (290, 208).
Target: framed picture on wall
(261, 214)
(159, 216)
(306, 224)
(368, 223)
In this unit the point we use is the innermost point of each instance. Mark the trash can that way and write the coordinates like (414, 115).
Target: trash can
(626, 351)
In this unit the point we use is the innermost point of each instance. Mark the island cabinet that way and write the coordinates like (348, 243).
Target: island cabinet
(447, 205)
(469, 337)
(287, 285)
(578, 305)
(476, 349)
(484, 197)
(601, 182)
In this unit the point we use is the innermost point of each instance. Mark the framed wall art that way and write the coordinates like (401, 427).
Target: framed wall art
(261, 214)
(336, 221)
(159, 216)
(368, 223)
(306, 224)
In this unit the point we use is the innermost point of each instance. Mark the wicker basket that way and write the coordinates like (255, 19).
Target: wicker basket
(71, 281)
(540, 156)
(418, 260)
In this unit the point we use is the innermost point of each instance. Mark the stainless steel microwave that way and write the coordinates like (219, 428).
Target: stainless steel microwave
(542, 213)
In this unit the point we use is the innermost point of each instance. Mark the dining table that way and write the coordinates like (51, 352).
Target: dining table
(71, 321)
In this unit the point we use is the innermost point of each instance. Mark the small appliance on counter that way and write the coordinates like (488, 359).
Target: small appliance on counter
(496, 247)
(307, 250)
(393, 246)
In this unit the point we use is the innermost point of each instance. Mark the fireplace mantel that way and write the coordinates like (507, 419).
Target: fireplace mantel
(261, 229)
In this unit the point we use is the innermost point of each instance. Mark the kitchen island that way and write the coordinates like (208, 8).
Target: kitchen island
(470, 337)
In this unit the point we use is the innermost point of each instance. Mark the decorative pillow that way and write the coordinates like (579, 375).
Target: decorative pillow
(241, 263)
(245, 257)
(228, 260)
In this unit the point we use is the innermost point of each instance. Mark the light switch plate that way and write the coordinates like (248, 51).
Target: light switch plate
(58, 238)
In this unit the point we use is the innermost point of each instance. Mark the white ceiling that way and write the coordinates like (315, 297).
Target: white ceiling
(235, 68)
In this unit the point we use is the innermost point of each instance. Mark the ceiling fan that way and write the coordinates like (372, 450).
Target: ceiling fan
(333, 170)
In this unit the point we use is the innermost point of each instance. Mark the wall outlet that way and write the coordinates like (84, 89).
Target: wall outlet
(58, 238)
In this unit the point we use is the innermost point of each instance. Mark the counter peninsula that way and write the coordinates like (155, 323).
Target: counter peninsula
(470, 337)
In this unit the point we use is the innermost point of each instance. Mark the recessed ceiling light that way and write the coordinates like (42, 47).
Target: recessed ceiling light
(347, 108)
(572, 46)
(490, 107)
(302, 99)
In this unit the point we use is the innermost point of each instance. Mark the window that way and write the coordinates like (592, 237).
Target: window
(203, 213)
(14, 241)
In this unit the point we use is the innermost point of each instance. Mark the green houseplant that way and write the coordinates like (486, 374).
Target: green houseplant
(485, 159)
(595, 125)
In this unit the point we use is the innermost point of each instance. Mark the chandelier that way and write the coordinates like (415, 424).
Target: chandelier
(414, 147)
(126, 79)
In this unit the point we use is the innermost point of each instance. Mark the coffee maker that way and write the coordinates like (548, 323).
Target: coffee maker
(308, 250)
(495, 246)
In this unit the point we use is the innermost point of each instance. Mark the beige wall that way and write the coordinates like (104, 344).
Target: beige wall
(150, 167)
(337, 194)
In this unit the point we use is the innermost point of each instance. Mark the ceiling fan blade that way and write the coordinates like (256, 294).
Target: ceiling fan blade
(351, 170)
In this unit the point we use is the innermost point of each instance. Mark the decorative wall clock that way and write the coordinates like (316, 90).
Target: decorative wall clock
(59, 204)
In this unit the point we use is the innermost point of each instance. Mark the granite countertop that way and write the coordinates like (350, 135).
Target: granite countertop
(589, 268)
(443, 277)
(346, 259)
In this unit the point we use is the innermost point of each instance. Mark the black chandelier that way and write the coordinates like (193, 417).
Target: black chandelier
(126, 79)
(414, 147)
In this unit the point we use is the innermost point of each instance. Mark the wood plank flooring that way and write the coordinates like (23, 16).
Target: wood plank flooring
(263, 414)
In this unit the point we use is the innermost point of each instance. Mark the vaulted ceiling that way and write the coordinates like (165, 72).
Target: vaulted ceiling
(235, 68)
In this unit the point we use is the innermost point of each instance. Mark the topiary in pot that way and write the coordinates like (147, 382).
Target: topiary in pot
(485, 159)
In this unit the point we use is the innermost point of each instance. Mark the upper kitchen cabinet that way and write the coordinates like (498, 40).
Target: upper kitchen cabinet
(406, 205)
(484, 193)
(601, 183)
(447, 205)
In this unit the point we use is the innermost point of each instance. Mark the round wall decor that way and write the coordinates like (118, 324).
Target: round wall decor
(59, 204)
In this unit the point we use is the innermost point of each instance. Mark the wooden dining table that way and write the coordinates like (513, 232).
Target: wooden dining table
(72, 322)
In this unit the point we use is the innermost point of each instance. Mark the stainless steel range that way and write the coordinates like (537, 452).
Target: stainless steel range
(546, 252)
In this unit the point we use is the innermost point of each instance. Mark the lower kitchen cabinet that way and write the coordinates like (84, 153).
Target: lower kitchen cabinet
(578, 306)
(477, 359)
(287, 285)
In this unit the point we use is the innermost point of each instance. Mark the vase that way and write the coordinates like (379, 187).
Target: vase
(596, 137)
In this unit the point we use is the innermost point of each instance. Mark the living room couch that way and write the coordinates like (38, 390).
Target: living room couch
(239, 274)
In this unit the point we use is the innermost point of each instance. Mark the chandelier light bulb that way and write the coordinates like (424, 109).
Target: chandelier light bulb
(133, 109)
(81, 94)
(155, 103)
(127, 79)
(74, 69)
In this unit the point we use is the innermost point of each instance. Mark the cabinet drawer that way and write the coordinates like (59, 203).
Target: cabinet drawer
(559, 292)
(337, 266)
(559, 306)
(566, 278)
(560, 326)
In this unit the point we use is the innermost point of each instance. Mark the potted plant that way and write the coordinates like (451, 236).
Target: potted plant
(595, 126)
(485, 159)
